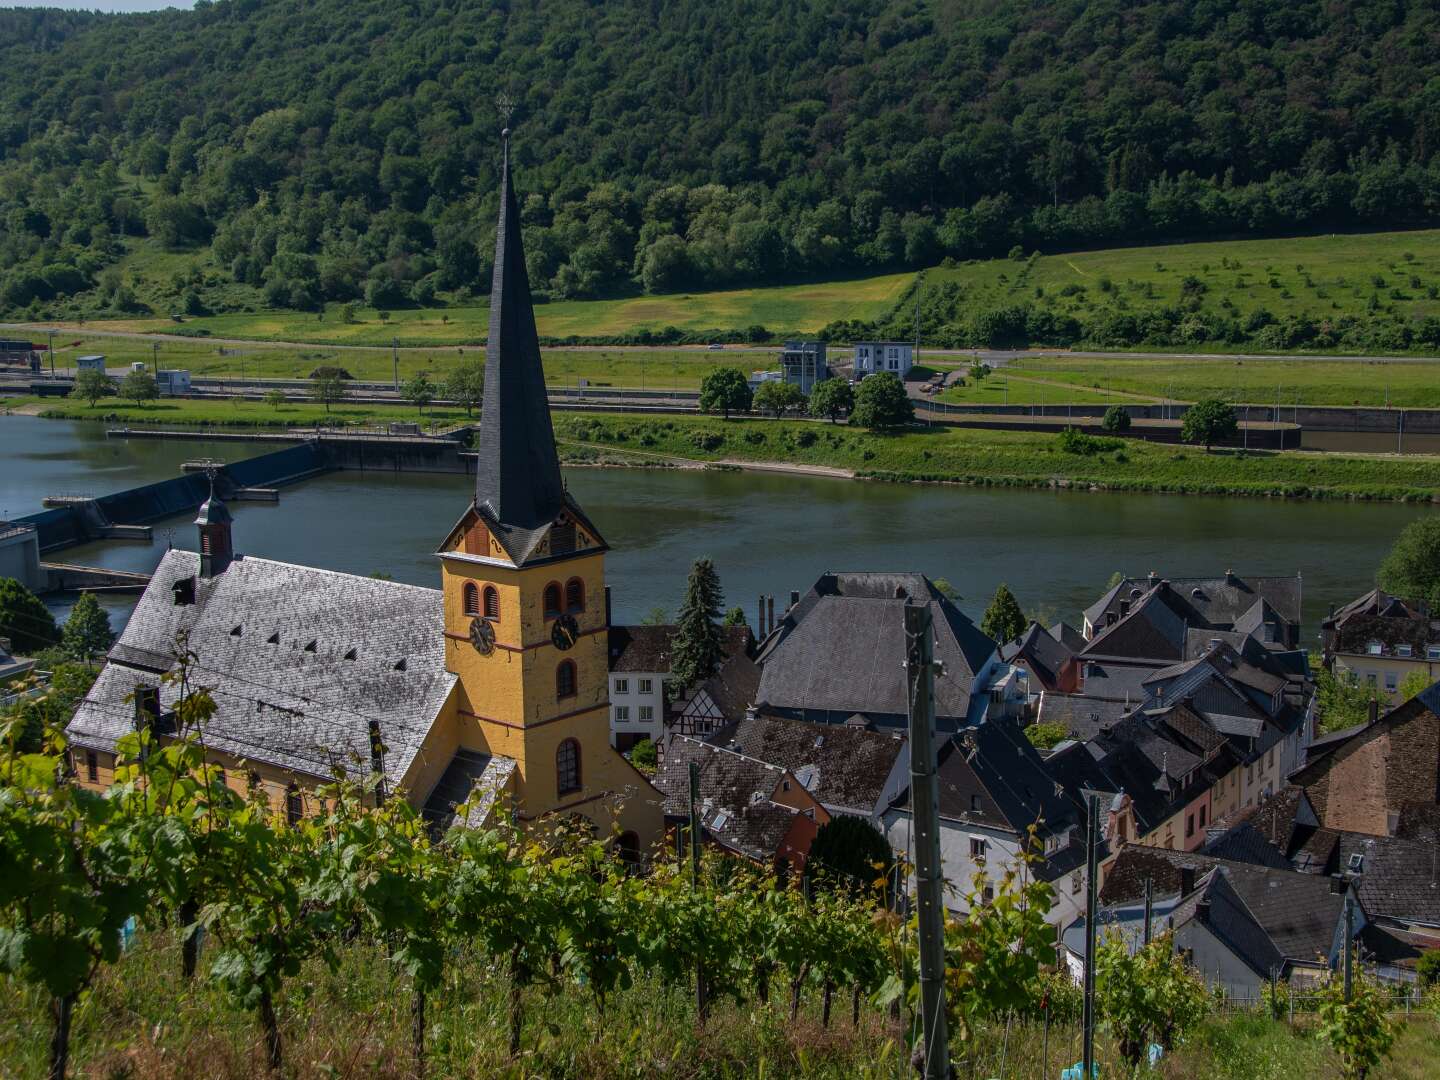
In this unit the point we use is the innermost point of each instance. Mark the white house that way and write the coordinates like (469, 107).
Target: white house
(639, 666)
(893, 356)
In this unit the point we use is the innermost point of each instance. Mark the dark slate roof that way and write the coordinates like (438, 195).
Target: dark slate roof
(733, 688)
(640, 648)
(1217, 906)
(1217, 601)
(1109, 680)
(991, 775)
(299, 660)
(1298, 912)
(840, 650)
(1248, 844)
(517, 476)
(1154, 628)
(456, 783)
(1068, 636)
(1378, 616)
(1045, 656)
(735, 790)
(1083, 716)
(845, 768)
(1398, 879)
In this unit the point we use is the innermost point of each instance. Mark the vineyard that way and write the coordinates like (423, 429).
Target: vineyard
(487, 941)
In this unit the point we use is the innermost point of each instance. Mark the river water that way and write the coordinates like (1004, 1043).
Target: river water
(766, 533)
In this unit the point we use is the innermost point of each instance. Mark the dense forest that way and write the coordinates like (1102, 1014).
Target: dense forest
(328, 150)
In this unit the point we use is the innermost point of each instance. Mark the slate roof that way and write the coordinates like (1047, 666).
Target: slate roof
(1219, 601)
(1044, 655)
(1068, 636)
(1298, 912)
(840, 651)
(299, 660)
(735, 790)
(1378, 616)
(640, 648)
(845, 768)
(1398, 879)
(1153, 629)
(470, 773)
(1217, 906)
(1083, 716)
(517, 476)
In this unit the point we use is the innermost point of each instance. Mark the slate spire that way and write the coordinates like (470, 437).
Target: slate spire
(518, 474)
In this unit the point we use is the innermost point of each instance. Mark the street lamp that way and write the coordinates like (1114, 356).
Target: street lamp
(155, 357)
(52, 332)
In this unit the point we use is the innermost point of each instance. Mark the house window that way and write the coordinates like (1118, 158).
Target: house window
(622, 686)
(567, 767)
(977, 848)
(574, 595)
(974, 804)
(647, 686)
(1391, 681)
(1202, 816)
(565, 679)
(294, 805)
(1189, 826)
(1374, 648)
(492, 603)
(220, 774)
(472, 599)
(552, 599)
(1270, 759)
(1432, 652)
(1076, 882)
(987, 895)
(1370, 679)
(647, 713)
(1403, 650)
(92, 766)
(622, 714)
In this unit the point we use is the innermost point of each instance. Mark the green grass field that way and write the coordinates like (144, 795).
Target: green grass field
(1010, 389)
(1321, 276)
(1410, 384)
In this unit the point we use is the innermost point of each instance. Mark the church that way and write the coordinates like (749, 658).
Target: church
(492, 692)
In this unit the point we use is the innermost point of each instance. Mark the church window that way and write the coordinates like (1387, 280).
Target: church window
(567, 767)
(574, 595)
(472, 599)
(294, 805)
(492, 603)
(552, 599)
(565, 679)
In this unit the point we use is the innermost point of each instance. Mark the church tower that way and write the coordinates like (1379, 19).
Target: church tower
(523, 576)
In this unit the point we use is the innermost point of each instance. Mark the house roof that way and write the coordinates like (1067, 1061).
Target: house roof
(841, 649)
(1083, 716)
(1298, 912)
(1068, 636)
(1040, 651)
(845, 768)
(1153, 628)
(297, 659)
(1218, 601)
(1216, 905)
(641, 648)
(1378, 616)
(517, 474)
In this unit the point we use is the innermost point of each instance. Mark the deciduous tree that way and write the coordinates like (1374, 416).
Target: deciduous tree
(1209, 421)
(881, 403)
(1412, 568)
(832, 398)
(725, 390)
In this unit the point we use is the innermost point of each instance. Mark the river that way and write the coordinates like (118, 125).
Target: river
(766, 533)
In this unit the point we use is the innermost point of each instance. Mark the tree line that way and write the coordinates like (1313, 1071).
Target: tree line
(684, 145)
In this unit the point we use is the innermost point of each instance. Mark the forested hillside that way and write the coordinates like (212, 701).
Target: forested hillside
(331, 150)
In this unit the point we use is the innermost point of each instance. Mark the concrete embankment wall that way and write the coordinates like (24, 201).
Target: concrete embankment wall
(1310, 417)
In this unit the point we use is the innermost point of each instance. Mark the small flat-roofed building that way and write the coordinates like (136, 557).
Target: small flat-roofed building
(897, 357)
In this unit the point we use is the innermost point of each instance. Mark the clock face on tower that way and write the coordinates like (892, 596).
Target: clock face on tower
(565, 632)
(482, 636)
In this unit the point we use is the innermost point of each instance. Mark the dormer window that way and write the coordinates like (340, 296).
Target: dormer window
(1402, 650)
(1375, 648)
(1432, 652)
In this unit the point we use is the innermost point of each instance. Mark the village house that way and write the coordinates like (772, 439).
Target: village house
(896, 357)
(639, 666)
(1381, 640)
(724, 697)
(1267, 607)
(492, 691)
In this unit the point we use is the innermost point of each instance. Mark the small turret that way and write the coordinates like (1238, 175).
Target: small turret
(217, 547)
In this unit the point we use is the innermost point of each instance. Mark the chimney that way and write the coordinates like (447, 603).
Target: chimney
(1338, 885)
(608, 620)
(1153, 578)
(147, 707)
(377, 757)
(760, 622)
(1373, 712)
(1164, 583)
(1229, 577)
(794, 597)
(1187, 880)
(770, 600)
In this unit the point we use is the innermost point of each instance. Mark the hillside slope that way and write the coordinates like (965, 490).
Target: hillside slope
(329, 150)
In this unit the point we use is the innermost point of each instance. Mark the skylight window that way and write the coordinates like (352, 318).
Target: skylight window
(273, 639)
(350, 655)
(311, 646)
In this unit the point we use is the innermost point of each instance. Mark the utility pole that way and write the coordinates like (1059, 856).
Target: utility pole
(155, 357)
(1349, 934)
(52, 333)
(1149, 906)
(1092, 844)
(925, 808)
(700, 1005)
(395, 358)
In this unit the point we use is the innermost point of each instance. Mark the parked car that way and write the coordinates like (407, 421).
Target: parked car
(715, 345)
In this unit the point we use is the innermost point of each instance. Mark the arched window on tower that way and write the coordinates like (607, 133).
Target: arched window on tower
(575, 596)
(567, 767)
(492, 603)
(553, 599)
(472, 599)
(565, 679)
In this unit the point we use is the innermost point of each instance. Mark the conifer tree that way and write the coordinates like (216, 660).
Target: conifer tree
(87, 630)
(1003, 621)
(696, 651)
(24, 619)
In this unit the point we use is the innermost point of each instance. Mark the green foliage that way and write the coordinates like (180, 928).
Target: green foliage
(1412, 568)
(1360, 1030)
(275, 398)
(465, 385)
(778, 397)
(24, 619)
(643, 755)
(736, 617)
(946, 589)
(1427, 968)
(419, 391)
(697, 650)
(87, 630)
(1340, 700)
(1003, 620)
(139, 386)
(1116, 420)
(1417, 682)
(1046, 736)
(725, 390)
(1148, 996)
(1074, 441)
(881, 403)
(328, 388)
(92, 385)
(1209, 421)
(850, 853)
(832, 398)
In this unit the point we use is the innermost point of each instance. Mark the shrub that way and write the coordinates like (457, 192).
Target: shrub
(707, 440)
(1074, 441)
(1117, 419)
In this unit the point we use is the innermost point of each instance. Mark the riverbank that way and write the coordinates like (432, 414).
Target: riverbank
(996, 458)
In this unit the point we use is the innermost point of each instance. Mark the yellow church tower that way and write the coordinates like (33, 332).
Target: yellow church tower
(523, 574)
